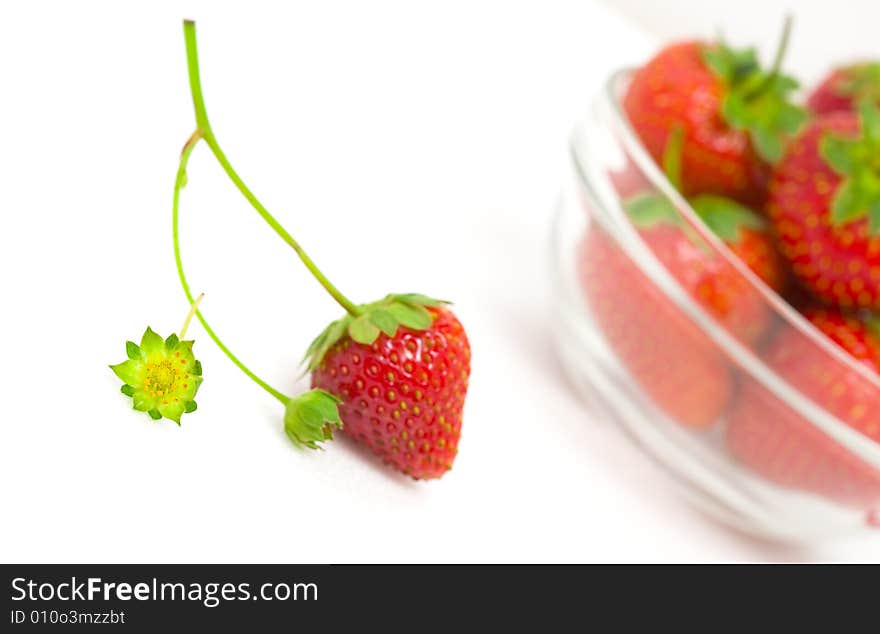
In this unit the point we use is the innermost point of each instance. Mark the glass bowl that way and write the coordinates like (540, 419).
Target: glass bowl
(761, 419)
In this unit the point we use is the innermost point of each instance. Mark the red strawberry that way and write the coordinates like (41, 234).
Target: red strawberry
(676, 365)
(746, 234)
(776, 443)
(401, 371)
(825, 205)
(735, 116)
(845, 87)
(709, 278)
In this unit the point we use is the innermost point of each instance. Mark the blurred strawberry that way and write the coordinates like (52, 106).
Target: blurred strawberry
(778, 444)
(845, 87)
(672, 360)
(736, 117)
(825, 205)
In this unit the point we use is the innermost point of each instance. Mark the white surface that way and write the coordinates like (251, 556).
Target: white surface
(408, 148)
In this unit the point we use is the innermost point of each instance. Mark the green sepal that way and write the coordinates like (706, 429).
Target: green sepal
(161, 376)
(649, 210)
(309, 419)
(861, 81)
(132, 351)
(857, 160)
(151, 342)
(190, 406)
(363, 330)
(386, 316)
(726, 217)
(755, 101)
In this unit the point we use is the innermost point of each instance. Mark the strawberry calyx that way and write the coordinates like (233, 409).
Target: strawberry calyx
(757, 101)
(309, 419)
(861, 81)
(857, 160)
(726, 217)
(370, 320)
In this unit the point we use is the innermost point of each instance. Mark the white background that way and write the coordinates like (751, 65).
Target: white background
(409, 146)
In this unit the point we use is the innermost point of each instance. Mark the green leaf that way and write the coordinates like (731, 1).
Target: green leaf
(171, 341)
(861, 82)
(414, 317)
(768, 143)
(151, 343)
(132, 351)
(363, 330)
(197, 368)
(874, 218)
(726, 217)
(127, 389)
(190, 406)
(384, 321)
(154, 414)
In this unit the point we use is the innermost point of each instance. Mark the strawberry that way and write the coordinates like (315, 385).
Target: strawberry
(745, 233)
(704, 274)
(735, 116)
(845, 87)
(401, 371)
(674, 362)
(776, 443)
(825, 205)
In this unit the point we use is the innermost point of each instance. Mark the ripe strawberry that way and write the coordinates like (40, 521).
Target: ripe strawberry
(776, 443)
(735, 116)
(674, 362)
(825, 205)
(703, 273)
(845, 87)
(401, 371)
(746, 234)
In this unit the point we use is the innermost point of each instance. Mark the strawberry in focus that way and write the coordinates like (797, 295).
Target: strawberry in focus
(777, 443)
(844, 88)
(825, 205)
(402, 393)
(735, 116)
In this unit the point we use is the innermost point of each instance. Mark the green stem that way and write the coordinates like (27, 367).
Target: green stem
(179, 183)
(192, 62)
(776, 67)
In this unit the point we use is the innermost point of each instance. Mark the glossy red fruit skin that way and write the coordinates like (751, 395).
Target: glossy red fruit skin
(677, 365)
(403, 396)
(828, 97)
(775, 442)
(676, 88)
(838, 264)
(758, 251)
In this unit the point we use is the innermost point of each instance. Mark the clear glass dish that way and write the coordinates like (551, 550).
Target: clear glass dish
(758, 428)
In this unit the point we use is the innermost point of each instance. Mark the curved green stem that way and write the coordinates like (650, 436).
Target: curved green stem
(775, 68)
(204, 126)
(179, 183)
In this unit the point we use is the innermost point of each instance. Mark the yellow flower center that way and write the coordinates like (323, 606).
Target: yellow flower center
(161, 377)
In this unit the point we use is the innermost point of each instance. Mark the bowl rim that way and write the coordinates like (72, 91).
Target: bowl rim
(631, 243)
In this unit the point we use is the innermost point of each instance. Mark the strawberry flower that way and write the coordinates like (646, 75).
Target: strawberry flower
(160, 375)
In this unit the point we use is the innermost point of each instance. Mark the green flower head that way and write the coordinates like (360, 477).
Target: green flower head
(160, 375)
